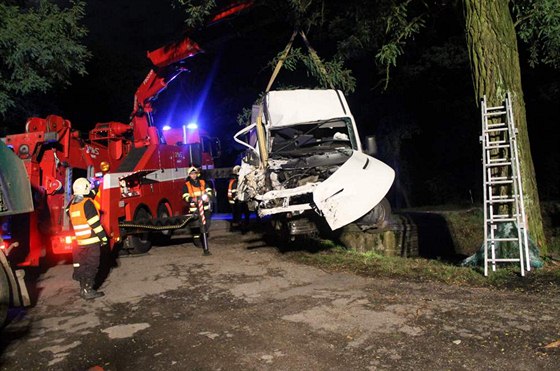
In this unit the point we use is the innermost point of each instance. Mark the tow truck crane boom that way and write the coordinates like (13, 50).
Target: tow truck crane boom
(167, 62)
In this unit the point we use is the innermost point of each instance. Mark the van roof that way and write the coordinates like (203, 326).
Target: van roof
(292, 107)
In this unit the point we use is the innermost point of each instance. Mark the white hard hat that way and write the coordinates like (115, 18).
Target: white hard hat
(236, 169)
(191, 169)
(81, 186)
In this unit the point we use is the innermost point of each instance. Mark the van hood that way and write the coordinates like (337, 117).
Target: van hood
(353, 190)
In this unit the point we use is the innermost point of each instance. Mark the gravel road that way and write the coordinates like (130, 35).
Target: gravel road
(248, 307)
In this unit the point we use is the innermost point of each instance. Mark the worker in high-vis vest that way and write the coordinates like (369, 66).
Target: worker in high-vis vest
(90, 236)
(196, 189)
(238, 208)
(232, 185)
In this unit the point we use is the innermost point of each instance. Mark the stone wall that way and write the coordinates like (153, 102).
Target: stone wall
(398, 238)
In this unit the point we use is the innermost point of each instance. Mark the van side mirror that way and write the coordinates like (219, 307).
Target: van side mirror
(370, 146)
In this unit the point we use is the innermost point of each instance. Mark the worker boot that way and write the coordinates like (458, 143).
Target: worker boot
(88, 292)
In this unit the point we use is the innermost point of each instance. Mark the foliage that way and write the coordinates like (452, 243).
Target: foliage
(360, 27)
(399, 28)
(328, 74)
(196, 11)
(538, 25)
(389, 21)
(39, 48)
(385, 28)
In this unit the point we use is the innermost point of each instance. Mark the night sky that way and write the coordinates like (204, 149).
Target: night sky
(427, 123)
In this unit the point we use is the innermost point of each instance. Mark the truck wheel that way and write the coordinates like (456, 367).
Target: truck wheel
(164, 236)
(4, 296)
(139, 243)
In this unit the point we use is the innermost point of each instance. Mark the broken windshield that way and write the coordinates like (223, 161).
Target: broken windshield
(325, 134)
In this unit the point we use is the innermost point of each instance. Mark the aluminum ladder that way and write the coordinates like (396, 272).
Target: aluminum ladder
(503, 191)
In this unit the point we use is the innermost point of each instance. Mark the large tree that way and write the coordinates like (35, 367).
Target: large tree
(494, 56)
(40, 48)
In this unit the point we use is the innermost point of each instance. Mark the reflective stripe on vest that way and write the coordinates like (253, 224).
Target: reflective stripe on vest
(231, 191)
(82, 230)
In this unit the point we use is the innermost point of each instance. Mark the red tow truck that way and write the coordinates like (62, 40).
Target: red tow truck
(144, 171)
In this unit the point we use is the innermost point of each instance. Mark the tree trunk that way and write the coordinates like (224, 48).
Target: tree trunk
(494, 58)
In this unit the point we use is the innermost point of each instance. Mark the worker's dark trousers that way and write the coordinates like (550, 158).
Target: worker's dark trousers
(86, 262)
(239, 209)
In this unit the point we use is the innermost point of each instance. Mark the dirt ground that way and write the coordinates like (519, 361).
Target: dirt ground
(247, 307)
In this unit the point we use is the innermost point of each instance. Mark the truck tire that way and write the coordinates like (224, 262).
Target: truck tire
(4, 296)
(163, 237)
(139, 243)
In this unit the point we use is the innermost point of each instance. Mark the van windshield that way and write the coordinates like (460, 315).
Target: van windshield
(322, 135)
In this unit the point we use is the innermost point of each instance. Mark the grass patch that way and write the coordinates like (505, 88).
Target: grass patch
(371, 264)
(465, 227)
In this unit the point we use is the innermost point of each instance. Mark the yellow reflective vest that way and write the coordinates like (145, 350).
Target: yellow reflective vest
(86, 223)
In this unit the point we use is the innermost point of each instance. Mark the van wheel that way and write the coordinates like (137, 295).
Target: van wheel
(4, 296)
(378, 217)
(139, 243)
(277, 234)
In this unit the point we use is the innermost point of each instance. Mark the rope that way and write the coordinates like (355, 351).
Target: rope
(316, 59)
(260, 130)
(281, 61)
(312, 53)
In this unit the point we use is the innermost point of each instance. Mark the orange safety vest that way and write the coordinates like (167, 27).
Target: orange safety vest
(231, 191)
(85, 235)
(195, 192)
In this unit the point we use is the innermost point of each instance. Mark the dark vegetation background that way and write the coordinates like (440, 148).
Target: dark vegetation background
(427, 123)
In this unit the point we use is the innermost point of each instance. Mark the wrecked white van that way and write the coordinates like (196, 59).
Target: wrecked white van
(305, 164)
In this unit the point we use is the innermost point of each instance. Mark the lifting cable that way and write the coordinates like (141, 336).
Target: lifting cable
(316, 60)
(260, 129)
(321, 67)
(281, 61)
(314, 57)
